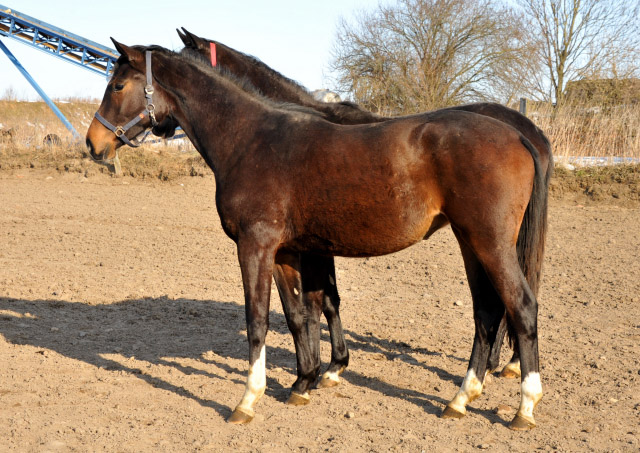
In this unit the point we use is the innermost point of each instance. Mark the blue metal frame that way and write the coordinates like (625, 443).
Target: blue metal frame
(40, 91)
(56, 41)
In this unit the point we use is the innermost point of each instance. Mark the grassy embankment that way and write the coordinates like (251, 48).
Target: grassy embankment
(30, 123)
(572, 131)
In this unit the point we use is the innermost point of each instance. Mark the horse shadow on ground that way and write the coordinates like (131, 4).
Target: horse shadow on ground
(152, 329)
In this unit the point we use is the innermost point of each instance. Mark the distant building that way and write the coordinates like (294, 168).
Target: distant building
(603, 92)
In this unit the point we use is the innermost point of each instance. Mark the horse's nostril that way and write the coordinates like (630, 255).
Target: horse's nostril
(91, 149)
(89, 146)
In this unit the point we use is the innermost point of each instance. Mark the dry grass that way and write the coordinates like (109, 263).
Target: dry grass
(147, 162)
(579, 131)
(572, 131)
(31, 122)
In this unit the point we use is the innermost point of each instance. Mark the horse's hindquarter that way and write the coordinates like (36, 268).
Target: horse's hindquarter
(484, 171)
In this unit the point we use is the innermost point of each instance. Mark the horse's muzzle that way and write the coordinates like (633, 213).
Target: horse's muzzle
(92, 151)
(101, 155)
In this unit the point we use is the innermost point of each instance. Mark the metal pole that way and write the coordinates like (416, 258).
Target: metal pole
(42, 94)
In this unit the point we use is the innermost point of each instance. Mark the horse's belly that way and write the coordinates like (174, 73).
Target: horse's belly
(368, 213)
(367, 236)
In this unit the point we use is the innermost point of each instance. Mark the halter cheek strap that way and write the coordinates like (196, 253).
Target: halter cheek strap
(149, 111)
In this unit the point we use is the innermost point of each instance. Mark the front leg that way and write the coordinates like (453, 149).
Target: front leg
(256, 257)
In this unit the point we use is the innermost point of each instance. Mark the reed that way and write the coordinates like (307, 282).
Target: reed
(574, 130)
(25, 125)
(583, 131)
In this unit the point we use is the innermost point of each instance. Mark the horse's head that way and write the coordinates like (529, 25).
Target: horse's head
(130, 105)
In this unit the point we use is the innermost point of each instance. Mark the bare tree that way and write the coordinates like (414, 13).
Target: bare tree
(422, 54)
(582, 39)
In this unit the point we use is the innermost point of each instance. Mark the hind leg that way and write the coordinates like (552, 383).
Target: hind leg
(501, 265)
(488, 310)
(288, 279)
(511, 369)
(331, 308)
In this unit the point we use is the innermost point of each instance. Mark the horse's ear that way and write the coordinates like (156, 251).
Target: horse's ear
(186, 40)
(127, 52)
(193, 41)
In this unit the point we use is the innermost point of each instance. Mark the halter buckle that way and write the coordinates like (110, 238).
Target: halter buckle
(148, 89)
(119, 131)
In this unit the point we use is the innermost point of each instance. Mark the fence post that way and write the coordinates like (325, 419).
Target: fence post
(523, 106)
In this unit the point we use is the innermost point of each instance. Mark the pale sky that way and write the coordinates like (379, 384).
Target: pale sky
(293, 37)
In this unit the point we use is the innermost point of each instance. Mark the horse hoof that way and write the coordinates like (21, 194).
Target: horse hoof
(240, 416)
(450, 412)
(328, 382)
(520, 423)
(511, 371)
(295, 399)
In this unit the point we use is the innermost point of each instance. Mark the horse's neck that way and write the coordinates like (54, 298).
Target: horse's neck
(283, 91)
(208, 120)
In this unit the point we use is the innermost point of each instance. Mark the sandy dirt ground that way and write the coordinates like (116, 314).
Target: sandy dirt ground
(122, 329)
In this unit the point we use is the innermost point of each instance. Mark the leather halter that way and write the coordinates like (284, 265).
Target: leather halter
(149, 110)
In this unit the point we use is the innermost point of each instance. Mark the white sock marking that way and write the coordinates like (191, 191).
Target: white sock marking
(471, 388)
(530, 394)
(331, 376)
(256, 383)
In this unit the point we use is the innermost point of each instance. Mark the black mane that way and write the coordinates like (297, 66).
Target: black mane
(190, 56)
(257, 62)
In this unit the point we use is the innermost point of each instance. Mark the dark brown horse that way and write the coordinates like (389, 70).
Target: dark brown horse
(289, 182)
(279, 88)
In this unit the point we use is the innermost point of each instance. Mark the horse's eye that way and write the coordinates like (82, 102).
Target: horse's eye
(118, 87)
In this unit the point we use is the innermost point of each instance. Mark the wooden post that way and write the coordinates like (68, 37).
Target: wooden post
(523, 106)
(117, 168)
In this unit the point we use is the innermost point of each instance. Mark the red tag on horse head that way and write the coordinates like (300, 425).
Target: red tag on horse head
(214, 59)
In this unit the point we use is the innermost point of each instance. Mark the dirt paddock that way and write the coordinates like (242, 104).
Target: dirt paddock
(122, 329)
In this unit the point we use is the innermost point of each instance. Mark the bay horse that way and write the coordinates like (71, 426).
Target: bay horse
(288, 182)
(275, 86)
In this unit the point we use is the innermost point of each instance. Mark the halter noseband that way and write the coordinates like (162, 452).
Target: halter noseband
(149, 110)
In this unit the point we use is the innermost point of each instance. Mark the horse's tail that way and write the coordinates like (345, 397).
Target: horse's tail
(533, 231)
(531, 238)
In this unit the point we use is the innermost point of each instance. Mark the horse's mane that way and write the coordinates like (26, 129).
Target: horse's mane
(272, 72)
(342, 112)
(195, 59)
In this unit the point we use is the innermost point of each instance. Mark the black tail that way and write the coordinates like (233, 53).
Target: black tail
(533, 231)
